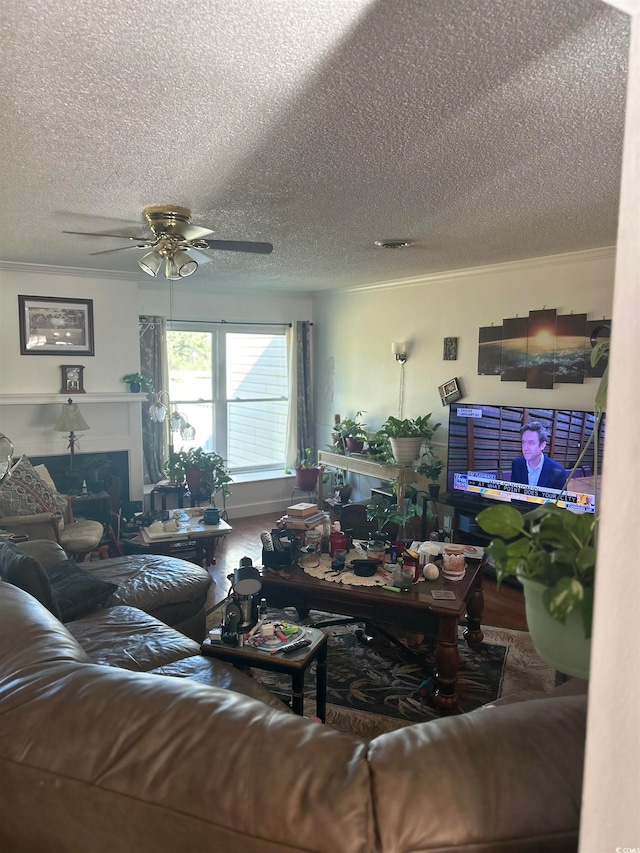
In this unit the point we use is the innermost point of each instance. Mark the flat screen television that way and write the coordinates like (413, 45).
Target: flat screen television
(484, 440)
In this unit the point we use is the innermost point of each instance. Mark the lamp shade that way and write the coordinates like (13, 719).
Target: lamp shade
(70, 419)
(246, 578)
(150, 263)
(6, 457)
(158, 412)
(186, 265)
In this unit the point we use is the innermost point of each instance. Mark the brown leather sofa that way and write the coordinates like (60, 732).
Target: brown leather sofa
(102, 751)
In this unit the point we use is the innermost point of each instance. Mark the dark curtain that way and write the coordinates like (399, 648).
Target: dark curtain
(152, 344)
(304, 401)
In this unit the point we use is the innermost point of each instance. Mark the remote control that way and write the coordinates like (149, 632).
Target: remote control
(296, 646)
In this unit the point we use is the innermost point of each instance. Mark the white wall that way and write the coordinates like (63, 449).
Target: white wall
(353, 332)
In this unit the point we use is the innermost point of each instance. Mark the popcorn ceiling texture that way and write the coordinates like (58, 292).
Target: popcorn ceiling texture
(485, 131)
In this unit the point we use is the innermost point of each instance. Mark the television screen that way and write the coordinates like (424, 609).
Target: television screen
(490, 456)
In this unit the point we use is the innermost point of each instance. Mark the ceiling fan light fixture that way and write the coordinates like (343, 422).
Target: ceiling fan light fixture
(171, 270)
(150, 263)
(186, 265)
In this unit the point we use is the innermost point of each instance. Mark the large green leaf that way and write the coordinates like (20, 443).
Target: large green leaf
(502, 521)
(563, 597)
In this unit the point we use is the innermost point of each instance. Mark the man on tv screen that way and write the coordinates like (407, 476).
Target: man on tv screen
(533, 468)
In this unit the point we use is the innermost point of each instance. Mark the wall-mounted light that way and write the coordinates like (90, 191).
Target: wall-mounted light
(399, 349)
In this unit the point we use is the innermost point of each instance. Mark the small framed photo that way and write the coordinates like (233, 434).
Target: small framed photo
(72, 381)
(51, 325)
(450, 392)
(450, 349)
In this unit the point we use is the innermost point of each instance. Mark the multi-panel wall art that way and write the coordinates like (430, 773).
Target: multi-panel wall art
(543, 349)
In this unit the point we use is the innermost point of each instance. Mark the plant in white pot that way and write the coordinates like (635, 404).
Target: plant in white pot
(552, 551)
(407, 436)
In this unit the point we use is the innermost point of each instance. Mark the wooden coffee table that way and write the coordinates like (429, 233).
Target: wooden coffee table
(413, 610)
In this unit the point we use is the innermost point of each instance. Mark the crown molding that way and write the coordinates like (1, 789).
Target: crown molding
(78, 272)
(585, 256)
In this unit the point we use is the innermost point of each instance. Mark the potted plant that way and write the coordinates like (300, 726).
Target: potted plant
(306, 472)
(349, 434)
(431, 468)
(552, 551)
(136, 381)
(378, 446)
(204, 472)
(407, 436)
(384, 512)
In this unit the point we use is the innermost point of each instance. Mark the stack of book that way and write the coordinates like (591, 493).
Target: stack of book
(302, 516)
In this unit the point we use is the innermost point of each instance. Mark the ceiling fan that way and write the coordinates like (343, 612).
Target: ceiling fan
(172, 237)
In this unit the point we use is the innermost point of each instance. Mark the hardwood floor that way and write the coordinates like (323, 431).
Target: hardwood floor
(503, 608)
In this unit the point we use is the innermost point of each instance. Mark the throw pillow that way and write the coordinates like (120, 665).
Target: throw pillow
(24, 571)
(26, 493)
(77, 593)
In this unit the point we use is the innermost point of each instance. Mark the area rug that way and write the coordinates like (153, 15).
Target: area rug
(372, 690)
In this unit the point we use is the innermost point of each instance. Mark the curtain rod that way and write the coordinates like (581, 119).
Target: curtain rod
(227, 323)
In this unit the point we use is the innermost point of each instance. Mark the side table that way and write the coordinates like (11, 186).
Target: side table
(294, 664)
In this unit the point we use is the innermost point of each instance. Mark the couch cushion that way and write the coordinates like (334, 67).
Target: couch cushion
(26, 493)
(21, 569)
(152, 582)
(126, 637)
(77, 592)
(217, 673)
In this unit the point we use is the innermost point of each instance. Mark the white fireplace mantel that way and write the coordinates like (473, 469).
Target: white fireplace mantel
(41, 399)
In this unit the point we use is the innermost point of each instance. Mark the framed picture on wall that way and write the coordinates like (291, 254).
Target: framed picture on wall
(450, 392)
(55, 326)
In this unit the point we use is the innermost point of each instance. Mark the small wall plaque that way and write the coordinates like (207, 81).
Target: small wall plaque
(450, 349)
(450, 392)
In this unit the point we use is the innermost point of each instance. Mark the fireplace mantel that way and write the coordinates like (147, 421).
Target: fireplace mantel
(100, 397)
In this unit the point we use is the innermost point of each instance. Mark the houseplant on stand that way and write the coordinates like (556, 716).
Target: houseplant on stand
(431, 468)
(349, 434)
(306, 472)
(407, 436)
(203, 471)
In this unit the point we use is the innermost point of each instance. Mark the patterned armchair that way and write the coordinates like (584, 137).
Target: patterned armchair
(31, 506)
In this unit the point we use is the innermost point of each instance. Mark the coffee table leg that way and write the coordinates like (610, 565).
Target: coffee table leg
(447, 662)
(475, 607)
(297, 697)
(321, 684)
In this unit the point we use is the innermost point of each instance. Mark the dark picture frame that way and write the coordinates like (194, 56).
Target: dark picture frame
(450, 392)
(51, 325)
(450, 349)
(72, 379)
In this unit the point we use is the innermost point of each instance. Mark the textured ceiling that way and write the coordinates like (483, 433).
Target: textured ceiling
(485, 130)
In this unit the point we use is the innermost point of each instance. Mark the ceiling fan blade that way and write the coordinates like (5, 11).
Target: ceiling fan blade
(121, 236)
(240, 246)
(190, 232)
(123, 248)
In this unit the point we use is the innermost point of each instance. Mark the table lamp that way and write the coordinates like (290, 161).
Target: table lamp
(71, 421)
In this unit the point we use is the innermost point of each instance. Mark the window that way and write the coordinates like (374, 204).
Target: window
(232, 386)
